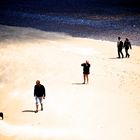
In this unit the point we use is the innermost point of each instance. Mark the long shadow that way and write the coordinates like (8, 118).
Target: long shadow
(29, 111)
(77, 84)
(115, 58)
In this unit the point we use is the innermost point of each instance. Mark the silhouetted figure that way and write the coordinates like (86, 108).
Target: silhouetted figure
(86, 71)
(127, 45)
(1, 115)
(39, 94)
(120, 47)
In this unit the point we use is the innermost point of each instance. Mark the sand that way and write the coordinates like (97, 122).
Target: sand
(108, 108)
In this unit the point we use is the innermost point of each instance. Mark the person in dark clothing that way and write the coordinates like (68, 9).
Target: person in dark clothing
(127, 45)
(39, 94)
(120, 47)
(86, 71)
(1, 115)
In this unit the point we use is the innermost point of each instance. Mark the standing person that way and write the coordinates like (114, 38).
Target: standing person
(86, 71)
(127, 45)
(120, 47)
(39, 94)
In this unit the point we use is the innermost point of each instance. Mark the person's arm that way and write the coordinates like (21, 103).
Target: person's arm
(130, 45)
(124, 44)
(118, 44)
(34, 92)
(44, 92)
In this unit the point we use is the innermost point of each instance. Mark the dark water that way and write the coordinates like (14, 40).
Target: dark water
(97, 19)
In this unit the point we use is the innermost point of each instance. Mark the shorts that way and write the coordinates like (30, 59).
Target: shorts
(38, 99)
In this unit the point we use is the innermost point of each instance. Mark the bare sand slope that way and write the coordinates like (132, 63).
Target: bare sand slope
(108, 108)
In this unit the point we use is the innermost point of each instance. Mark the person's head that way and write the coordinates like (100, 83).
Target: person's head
(119, 38)
(87, 61)
(37, 82)
(127, 39)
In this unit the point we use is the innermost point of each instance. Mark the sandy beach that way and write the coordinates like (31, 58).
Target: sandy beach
(108, 108)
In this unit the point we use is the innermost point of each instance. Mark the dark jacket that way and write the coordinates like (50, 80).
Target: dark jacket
(127, 45)
(86, 67)
(120, 45)
(39, 90)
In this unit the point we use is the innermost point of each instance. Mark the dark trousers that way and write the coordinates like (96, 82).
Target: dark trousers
(120, 53)
(127, 54)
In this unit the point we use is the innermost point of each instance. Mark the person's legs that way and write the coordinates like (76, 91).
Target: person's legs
(87, 78)
(40, 100)
(118, 54)
(126, 51)
(122, 54)
(36, 104)
(36, 108)
(128, 55)
(84, 76)
(41, 107)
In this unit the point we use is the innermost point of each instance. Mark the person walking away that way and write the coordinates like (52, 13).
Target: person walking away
(120, 47)
(39, 94)
(127, 45)
(86, 71)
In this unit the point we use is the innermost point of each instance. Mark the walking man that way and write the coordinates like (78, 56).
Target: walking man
(39, 94)
(86, 71)
(120, 47)
(127, 45)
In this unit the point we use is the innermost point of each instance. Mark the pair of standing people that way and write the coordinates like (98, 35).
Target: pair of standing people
(121, 45)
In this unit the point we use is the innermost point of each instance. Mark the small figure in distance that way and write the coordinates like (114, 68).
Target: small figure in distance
(86, 71)
(120, 47)
(1, 115)
(127, 45)
(39, 94)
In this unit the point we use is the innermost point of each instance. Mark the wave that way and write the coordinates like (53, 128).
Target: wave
(78, 25)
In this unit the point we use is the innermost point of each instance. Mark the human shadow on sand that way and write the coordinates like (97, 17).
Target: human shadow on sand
(29, 111)
(77, 83)
(115, 58)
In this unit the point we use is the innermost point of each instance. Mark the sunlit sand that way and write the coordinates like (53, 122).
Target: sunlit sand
(108, 108)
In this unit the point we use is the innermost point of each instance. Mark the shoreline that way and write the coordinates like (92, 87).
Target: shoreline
(89, 26)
